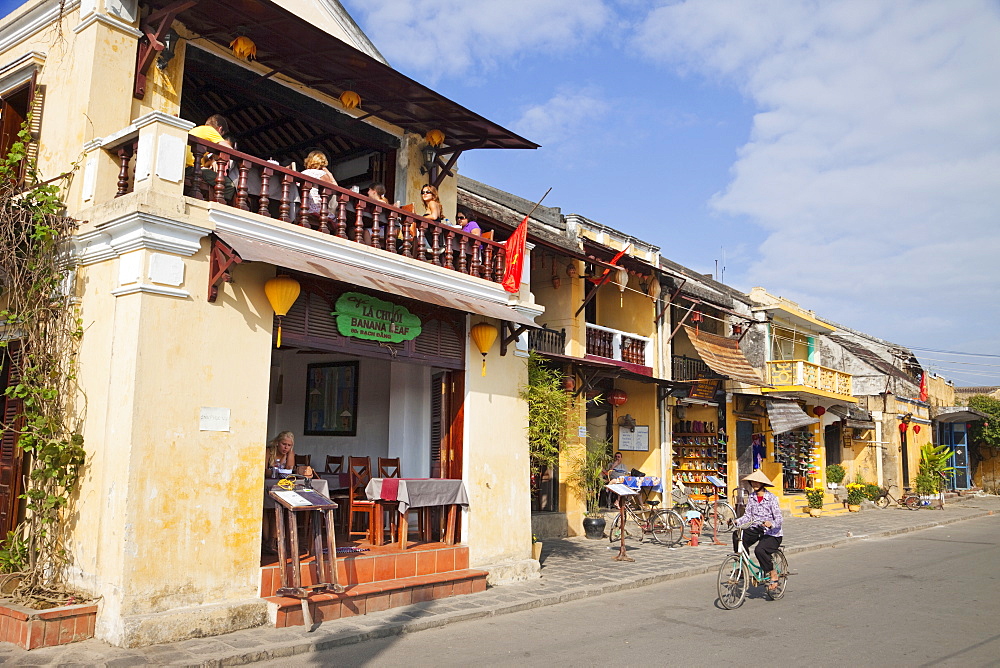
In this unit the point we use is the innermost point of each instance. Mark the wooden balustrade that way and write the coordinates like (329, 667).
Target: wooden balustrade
(282, 194)
(616, 345)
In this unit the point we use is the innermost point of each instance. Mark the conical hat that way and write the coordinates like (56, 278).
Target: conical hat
(758, 476)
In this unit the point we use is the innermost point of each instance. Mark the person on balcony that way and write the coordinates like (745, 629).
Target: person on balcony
(376, 191)
(468, 226)
(316, 163)
(432, 202)
(215, 130)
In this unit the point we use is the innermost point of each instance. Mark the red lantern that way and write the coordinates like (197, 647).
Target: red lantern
(902, 426)
(617, 398)
(916, 429)
(818, 411)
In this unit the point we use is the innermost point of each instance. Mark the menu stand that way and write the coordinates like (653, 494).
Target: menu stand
(622, 491)
(289, 504)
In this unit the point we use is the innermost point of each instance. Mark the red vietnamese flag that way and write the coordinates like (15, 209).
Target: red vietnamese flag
(515, 257)
(923, 386)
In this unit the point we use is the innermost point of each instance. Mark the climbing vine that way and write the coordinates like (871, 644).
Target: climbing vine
(39, 333)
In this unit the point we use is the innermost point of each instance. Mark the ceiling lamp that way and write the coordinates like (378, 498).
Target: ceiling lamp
(434, 137)
(243, 47)
(350, 99)
(281, 291)
(483, 335)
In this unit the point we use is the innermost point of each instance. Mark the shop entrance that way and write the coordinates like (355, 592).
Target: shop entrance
(832, 442)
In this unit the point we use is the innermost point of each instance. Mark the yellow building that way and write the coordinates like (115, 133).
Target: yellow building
(181, 379)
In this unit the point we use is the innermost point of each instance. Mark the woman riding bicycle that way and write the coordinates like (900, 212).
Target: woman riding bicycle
(763, 510)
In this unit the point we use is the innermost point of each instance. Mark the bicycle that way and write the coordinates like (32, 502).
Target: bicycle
(713, 512)
(739, 572)
(665, 526)
(907, 500)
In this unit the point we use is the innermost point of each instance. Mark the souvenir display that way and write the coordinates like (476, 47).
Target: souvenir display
(796, 452)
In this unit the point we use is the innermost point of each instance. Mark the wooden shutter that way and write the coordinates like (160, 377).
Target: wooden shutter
(11, 460)
(438, 431)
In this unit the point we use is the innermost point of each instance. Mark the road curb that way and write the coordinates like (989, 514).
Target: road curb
(423, 619)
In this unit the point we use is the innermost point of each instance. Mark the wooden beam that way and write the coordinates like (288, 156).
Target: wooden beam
(221, 261)
(509, 334)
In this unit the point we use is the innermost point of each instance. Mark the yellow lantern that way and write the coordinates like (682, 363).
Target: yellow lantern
(434, 138)
(243, 47)
(654, 288)
(483, 335)
(281, 291)
(350, 99)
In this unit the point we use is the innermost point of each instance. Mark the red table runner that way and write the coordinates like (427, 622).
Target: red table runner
(390, 489)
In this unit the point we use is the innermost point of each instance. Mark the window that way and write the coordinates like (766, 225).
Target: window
(332, 399)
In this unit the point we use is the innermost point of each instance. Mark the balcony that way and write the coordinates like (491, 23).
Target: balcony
(546, 340)
(276, 192)
(809, 378)
(617, 345)
(690, 368)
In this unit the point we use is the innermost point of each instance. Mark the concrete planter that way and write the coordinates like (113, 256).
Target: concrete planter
(536, 550)
(815, 512)
(854, 508)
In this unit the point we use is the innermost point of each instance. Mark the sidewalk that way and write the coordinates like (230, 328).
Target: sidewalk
(572, 568)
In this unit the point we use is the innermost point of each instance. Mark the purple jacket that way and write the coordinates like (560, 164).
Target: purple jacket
(767, 510)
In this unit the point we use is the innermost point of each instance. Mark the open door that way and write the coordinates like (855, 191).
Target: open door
(447, 424)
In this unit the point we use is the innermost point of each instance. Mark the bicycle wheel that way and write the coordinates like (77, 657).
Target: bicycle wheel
(780, 565)
(882, 501)
(912, 502)
(733, 582)
(667, 527)
(631, 529)
(725, 514)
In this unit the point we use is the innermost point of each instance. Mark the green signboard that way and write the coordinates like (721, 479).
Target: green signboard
(365, 317)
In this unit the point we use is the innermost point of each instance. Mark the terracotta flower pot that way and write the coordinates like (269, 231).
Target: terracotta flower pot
(854, 508)
(815, 512)
(536, 550)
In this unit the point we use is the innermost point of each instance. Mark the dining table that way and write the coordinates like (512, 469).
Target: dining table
(407, 493)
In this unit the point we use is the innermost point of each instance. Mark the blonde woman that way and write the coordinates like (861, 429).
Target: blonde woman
(281, 452)
(316, 163)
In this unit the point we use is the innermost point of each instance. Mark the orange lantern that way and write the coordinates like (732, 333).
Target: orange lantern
(483, 335)
(281, 291)
(350, 99)
(434, 138)
(244, 47)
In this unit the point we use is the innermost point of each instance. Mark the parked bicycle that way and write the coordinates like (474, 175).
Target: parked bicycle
(739, 572)
(714, 511)
(664, 526)
(907, 500)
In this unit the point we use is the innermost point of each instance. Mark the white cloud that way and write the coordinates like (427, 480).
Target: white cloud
(450, 37)
(873, 162)
(564, 117)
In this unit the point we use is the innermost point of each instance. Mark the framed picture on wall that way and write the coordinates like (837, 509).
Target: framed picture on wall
(331, 399)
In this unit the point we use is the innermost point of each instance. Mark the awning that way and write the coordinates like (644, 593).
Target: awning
(957, 414)
(255, 250)
(724, 357)
(611, 370)
(786, 415)
(304, 52)
(854, 417)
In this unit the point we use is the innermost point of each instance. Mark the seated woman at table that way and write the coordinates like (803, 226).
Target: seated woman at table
(281, 452)
(316, 163)
(432, 202)
(468, 226)
(616, 469)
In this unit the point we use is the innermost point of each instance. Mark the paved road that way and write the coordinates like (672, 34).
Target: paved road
(917, 599)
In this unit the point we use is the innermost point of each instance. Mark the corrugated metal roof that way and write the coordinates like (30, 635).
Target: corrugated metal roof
(724, 357)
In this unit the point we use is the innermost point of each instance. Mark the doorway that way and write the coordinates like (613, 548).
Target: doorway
(832, 442)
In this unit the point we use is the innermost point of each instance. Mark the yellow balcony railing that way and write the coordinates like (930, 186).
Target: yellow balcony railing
(800, 373)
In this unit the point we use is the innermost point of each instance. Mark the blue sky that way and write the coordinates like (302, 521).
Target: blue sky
(844, 154)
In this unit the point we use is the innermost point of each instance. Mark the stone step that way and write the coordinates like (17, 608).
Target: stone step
(362, 599)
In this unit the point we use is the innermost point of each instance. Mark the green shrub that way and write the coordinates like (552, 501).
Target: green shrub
(835, 473)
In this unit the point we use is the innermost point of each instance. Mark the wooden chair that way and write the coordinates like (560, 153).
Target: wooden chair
(360, 469)
(487, 234)
(388, 467)
(334, 464)
(304, 460)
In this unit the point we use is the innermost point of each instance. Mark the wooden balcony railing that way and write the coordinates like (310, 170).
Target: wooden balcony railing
(278, 192)
(689, 368)
(807, 374)
(616, 345)
(547, 340)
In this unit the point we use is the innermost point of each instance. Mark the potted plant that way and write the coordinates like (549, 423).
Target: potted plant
(855, 495)
(835, 474)
(587, 478)
(815, 498)
(536, 547)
